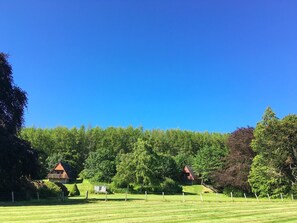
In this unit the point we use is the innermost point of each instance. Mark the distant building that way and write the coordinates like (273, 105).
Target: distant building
(100, 189)
(188, 175)
(62, 172)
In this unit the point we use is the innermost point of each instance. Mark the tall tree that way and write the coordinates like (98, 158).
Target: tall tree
(17, 159)
(276, 146)
(12, 100)
(100, 166)
(235, 171)
(208, 160)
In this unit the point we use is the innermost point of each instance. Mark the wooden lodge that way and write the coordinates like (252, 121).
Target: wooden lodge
(61, 173)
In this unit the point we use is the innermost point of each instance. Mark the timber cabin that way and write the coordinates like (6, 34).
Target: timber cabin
(189, 176)
(61, 173)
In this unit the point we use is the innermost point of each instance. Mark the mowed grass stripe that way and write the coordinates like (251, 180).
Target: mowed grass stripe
(68, 212)
(152, 211)
(150, 205)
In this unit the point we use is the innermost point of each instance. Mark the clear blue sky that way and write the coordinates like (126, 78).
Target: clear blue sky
(188, 64)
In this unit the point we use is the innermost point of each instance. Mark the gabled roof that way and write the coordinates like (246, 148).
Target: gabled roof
(67, 168)
(188, 169)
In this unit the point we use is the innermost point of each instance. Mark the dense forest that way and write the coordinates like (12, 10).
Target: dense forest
(261, 160)
(128, 156)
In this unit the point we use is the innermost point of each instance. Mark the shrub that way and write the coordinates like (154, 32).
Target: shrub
(47, 189)
(74, 191)
(170, 186)
(235, 191)
(294, 190)
(63, 188)
(114, 188)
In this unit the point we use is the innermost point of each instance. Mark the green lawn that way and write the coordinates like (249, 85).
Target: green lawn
(171, 208)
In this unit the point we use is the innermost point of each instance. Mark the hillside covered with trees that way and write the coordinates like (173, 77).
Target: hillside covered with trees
(127, 156)
(260, 160)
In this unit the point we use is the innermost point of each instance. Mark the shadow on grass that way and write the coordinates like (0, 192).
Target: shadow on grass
(190, 193)
(52, 202)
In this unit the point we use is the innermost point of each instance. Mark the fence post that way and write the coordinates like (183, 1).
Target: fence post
(231, 196)
(268, 196)
(163, 196)
(292, 196)
(244, 196)
(281, 195)
(201, 198)
(12, 197)
(145, 195)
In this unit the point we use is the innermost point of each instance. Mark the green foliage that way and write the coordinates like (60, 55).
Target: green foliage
(274, 170)
(265, 179)
(208, 160)
(235, 191)
(79, 146)
(47, 189)
(294, 190)
(100, 166)
(115, 188)
(137, 167)
(63, 188)
(183, 160)
(146, 170)
(74, 191)
(170, 186)
(166, 167)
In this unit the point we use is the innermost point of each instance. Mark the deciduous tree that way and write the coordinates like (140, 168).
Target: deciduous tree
(234, 173)
(17, 159)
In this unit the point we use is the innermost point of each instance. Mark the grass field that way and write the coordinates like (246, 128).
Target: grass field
(192, 207)
(171, 208)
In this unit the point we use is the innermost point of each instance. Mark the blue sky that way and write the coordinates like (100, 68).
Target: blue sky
(195, 65)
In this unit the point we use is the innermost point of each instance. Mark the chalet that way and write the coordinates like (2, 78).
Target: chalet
(61, 173)
(189, 176)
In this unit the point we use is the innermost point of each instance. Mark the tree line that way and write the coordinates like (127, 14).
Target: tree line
(127, 156)
(261, 160)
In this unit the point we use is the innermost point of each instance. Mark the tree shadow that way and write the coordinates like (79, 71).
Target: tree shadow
(53, 202)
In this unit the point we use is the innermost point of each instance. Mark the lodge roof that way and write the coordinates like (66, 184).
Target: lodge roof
(67, 168)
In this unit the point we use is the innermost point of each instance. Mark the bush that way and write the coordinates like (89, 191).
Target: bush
(74, 191)
(235, 192)
(47, 189)
(115, 188)
(63, 188)
(170, 186)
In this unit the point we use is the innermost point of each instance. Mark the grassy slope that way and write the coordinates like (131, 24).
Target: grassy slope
(196, 189)
(83, 187)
